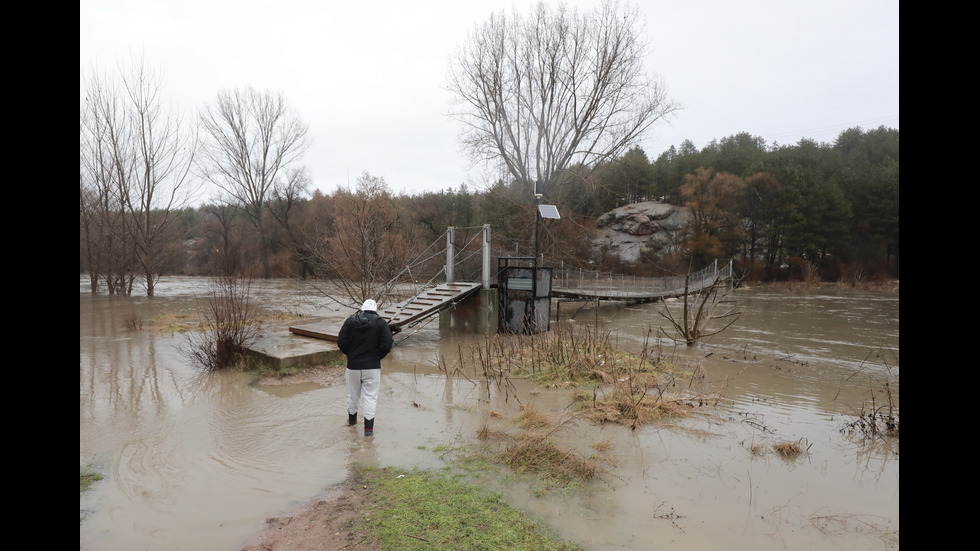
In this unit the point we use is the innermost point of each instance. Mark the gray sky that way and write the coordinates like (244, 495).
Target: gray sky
(368, 76)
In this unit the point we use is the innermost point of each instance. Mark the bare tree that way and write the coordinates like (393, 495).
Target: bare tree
(105, 164)
(370, 246)
(555, 89)
(90, 227)
(285, 206)
(135, 165)
(701, 306)
(221, 223)
(161, 184)
(252, 139)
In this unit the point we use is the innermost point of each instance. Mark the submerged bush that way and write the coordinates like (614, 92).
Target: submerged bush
(230, 324)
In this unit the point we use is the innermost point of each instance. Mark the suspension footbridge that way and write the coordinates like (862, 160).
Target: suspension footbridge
(567, 284)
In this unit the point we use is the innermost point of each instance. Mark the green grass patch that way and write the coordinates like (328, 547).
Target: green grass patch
(426, 511)
(87, 477)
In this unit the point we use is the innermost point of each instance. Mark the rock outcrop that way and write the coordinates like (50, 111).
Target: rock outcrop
(628, 231)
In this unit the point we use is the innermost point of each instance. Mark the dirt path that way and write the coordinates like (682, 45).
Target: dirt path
(323, 525)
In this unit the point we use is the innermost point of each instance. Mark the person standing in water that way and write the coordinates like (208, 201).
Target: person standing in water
(365, 339)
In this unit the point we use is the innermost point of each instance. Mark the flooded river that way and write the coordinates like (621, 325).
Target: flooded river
(198, 461)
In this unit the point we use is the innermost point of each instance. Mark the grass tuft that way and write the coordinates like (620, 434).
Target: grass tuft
(87, 477)
(789, 450)
(538, 455)
(532, 418)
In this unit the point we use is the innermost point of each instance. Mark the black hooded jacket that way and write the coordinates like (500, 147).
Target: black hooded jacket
(365, 338)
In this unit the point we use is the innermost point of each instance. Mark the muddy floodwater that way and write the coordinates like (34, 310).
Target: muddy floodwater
(197, 461)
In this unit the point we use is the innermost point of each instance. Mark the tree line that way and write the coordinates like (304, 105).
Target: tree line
(553, 100)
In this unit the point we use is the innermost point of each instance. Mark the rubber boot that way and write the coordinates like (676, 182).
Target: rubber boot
(369, 427)
(351, 419)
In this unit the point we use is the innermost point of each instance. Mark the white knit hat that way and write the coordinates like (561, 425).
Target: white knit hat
(369, 305)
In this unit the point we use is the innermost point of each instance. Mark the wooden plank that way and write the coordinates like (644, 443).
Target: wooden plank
(326, 331)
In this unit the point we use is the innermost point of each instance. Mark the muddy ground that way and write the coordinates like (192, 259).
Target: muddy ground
(325, 524)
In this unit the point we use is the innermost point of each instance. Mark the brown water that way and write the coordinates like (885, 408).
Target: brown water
(198, 461)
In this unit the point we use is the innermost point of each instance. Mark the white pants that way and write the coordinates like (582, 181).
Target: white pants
(363, 382)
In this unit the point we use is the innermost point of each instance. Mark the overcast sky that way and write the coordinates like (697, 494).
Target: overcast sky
(369, 76)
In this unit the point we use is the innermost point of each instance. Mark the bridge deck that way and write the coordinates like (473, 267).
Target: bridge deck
(614, 294)
(626, 292)
(403, 314)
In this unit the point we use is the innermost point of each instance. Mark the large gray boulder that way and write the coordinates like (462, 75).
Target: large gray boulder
(627, 231)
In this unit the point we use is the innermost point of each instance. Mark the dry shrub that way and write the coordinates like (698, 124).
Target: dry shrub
(788, 449)
(534, 452)
(230, 324)
(531, 418)
(621, 387)
(537, 454)
(879, 415)
(634, 401)
(487, 433)
(133, 322)
(562, 357)
(602, 376)
(602, 446)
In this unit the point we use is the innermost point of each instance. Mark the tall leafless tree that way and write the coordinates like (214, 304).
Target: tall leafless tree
(161, 184)
(135, 174)
(104, 166)
(252, 139)
(558, 88)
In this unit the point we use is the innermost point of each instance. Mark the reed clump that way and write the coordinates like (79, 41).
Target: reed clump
(535, 450)
(632, 404)
(611, 385)
(788, 449)
(538, 455)
(878, 416)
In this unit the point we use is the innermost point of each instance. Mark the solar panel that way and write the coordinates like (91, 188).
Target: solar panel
(548, 211)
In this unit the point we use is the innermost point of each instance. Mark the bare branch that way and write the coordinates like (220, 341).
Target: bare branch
(693, 326)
